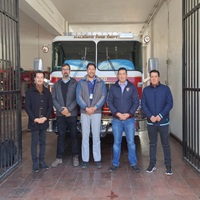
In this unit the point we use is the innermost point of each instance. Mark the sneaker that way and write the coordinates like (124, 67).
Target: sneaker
(35, 167)
(75, 161)
(113, 168)
(57, 162)
(168, 171)
(98, 165)
(84, 165)
(151, 168)
(43, 165)
(136, 168)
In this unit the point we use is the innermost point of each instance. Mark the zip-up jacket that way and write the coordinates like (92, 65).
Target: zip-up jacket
(70, 101)
(126, 102)
(157, 101)
(83, 96)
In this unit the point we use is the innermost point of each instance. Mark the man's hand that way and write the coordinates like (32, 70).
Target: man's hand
(123, 116)
(90, 110)
(153, 119)
(158, 118)
(66, 112)
(40, 120)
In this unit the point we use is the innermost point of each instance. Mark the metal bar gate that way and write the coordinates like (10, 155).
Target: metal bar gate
(10, 100)
(191, 82)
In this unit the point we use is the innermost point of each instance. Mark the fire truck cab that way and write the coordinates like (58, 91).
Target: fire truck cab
(109, 51)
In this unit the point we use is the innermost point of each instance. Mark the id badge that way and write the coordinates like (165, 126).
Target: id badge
(91, 96)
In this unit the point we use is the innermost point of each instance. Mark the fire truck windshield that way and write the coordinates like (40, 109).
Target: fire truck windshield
(76, 53)
(108, 55)
(111, 55)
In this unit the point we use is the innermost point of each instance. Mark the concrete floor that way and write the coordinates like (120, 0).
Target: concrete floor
(73, 183)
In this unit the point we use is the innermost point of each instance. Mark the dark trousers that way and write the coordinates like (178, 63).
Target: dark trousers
(38, 136)
(64, 123)
(164, 137)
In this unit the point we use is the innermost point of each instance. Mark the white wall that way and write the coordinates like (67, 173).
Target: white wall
(166, 28)
(32, 38)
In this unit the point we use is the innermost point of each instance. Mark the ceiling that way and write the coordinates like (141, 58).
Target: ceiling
(107, 15)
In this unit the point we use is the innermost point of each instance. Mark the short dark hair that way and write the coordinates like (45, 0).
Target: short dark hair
(122, 68)
(90, 63)
(66, 64)
(154, 71)
(38, 72)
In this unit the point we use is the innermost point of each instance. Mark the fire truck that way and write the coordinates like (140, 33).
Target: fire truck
(109, 51)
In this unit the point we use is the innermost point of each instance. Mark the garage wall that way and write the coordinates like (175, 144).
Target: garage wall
(32, 38)
(166, 34)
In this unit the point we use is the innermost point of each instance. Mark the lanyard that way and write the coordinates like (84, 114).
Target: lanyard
(91, 88)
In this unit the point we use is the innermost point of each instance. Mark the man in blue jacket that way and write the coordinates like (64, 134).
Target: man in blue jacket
(38, 105)
(157, 101)
(90, 95)
(123, 102)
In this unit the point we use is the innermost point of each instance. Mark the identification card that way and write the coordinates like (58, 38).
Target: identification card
(91, 96)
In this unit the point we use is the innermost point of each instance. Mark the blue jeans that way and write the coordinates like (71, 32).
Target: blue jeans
(64, 123)
(38, 136)
(118, 126)
(153, 139)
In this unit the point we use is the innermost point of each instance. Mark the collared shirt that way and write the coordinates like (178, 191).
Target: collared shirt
(65, 81)
(122, 86)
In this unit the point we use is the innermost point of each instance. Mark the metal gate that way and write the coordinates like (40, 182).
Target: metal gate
(191, 82)
(10, 100)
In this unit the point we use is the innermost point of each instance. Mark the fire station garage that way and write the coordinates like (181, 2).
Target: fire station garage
(138, 35)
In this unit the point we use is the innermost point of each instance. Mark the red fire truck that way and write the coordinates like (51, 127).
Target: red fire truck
(109, 51)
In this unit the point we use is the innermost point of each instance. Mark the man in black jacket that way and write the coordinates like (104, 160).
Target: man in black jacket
(64, 100)
(38, 105)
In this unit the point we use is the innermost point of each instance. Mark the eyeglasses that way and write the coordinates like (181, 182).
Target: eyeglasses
(65, 69)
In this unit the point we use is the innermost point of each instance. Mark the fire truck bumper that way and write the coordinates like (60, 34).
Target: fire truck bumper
(106, 125)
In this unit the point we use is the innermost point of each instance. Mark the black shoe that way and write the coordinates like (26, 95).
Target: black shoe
(43, 165)
(84, 165)
(113, 168)
(151, 168)
(98, 165)
(168, 171)
(136, 168)
(35, 167)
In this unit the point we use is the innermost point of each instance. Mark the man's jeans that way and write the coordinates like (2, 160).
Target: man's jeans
(38, 136)
(164, 137)
(64, 123)
(93, 121)
(118, 126)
